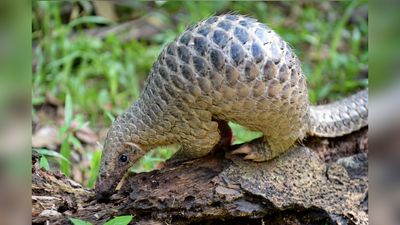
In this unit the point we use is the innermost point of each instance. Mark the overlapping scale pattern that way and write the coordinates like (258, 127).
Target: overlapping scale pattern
(230, 68)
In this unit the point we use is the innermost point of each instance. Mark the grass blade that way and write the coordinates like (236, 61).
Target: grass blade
(94, 168)
(66, 153)
(88, 20)
(68, 110)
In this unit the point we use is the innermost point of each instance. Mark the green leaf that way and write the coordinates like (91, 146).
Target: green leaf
(51, 153)
(44, 163)
(79, 222)
(75, 142)
(94, 168)
(242, 134)
(68, 110)
(110, 116)
(120, 220)
(66, 153)
(89, 19)
(62, 131)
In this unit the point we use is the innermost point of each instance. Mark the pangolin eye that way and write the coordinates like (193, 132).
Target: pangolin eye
(123, 158)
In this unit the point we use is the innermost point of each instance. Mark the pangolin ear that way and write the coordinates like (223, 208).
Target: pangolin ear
(130, 144)
(133, 145)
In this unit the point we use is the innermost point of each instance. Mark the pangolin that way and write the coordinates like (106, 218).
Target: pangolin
(225, 68)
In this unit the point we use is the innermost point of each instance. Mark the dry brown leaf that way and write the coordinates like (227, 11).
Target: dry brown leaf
(46, 137)
(87, 135)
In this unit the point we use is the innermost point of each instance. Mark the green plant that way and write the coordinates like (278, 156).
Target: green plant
(44, 153)
(119, 220)
(66, 134)
(102, 75)
(94, 168)
(242, 135)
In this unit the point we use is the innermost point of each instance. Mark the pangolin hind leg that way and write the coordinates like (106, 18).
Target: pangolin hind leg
(265, 148)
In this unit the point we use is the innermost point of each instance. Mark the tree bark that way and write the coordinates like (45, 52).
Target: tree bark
(326, 185)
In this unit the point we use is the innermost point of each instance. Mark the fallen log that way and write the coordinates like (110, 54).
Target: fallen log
(303, 186)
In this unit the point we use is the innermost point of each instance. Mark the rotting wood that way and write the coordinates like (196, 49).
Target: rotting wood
(297, 188)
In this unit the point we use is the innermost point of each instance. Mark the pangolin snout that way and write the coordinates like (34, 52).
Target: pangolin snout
(105, 186)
